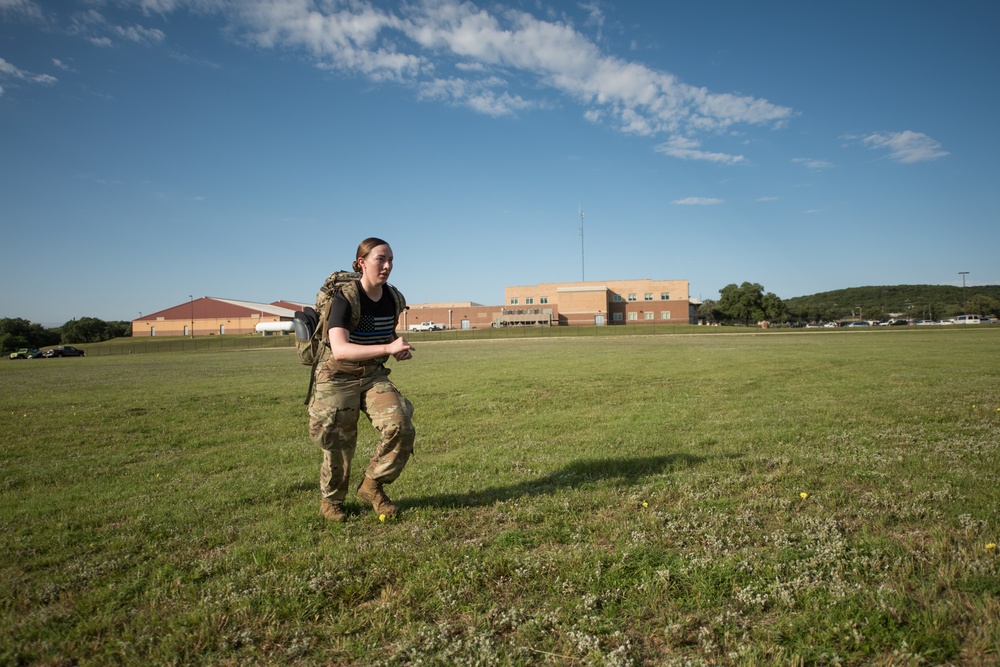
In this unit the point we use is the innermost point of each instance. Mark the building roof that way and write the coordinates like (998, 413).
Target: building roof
(208, 307)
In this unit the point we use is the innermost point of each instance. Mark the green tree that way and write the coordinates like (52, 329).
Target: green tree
(119, 329)
(93, 330)
(980, 304)
(84, 330)
(742, 304)
(12, 342)
(17, 332)
(709, 311)
(774, 309)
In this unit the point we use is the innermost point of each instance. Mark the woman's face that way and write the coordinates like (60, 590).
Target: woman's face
(377, 264)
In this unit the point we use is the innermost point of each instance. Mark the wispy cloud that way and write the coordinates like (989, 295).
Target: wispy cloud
(11, 71)
(697, 201)
(138, 34)
(686, 148)
(907, 146)
(93, 26)
(496, 61)
(811, 163)
(24, 9)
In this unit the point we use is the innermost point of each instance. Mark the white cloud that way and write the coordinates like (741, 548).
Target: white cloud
(766, 199)
(457, 51)
(139, 34)
(697, 201)
(811, 163)
(93, 26)
(27, 9)
(9, 70)
(907, 146)
(475, 95)
(689, 149)
(421, 43)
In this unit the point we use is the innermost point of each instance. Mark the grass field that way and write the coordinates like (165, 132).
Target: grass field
(794, 499)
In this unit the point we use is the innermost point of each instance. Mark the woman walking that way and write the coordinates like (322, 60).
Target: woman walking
(354, 379)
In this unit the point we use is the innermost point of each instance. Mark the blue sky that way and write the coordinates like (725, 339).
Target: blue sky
(156, 149)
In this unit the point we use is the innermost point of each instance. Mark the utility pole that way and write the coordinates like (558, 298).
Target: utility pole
(965, 307)
(583, 266)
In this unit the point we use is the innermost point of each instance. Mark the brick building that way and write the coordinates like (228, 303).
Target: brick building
(612, 302)
(211, 316)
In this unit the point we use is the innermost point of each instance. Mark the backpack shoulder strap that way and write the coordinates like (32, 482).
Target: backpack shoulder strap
(398, 297)
(350, 292)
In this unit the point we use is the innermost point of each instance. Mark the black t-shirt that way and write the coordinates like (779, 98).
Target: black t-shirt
(377, 324)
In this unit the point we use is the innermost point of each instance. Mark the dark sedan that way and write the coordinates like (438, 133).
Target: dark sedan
(65, 351)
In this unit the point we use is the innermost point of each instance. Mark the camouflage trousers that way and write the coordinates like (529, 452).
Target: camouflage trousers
(342, 392)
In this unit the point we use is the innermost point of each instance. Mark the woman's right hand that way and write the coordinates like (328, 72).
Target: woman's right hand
(400, 349)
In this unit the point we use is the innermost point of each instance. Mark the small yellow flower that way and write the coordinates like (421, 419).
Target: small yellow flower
(381, 517)
(645, 504)
(991, 546)
(803, 495)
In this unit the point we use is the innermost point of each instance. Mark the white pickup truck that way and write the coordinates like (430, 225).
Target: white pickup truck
(427, 326)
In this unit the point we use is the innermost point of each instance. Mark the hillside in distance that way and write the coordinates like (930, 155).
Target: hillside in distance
(909, 301)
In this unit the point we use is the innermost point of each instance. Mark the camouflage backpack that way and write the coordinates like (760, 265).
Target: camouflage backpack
(311, 340)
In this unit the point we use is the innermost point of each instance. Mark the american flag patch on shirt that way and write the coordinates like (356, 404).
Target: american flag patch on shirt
(374, 330)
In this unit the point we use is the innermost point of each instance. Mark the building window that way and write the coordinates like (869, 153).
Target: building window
(631, 297)
(665, 315)
(543, 299)
(649, 316)
(617, 298)
(633, 316)
(528, 301)
(617, 317)
(648, 296)
(513, 301)
(664, 296)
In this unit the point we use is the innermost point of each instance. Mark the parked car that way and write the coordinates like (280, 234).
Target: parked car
(23, 353)
(427, 326)
(36, 354)
(65, 351)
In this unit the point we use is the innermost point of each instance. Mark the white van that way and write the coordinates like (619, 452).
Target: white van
(967, 319)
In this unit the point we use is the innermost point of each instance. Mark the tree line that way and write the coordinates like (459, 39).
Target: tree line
(749, 304)
(16, 333)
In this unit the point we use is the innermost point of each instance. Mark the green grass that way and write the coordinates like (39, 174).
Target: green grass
(592, 500)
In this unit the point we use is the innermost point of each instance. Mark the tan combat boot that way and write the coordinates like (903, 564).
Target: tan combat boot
(332, 511)
(372, 492)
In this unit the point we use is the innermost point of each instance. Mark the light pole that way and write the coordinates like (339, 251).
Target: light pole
(965, 308)
(191, 296)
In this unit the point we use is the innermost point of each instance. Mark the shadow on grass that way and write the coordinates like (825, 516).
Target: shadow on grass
(626, 472)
